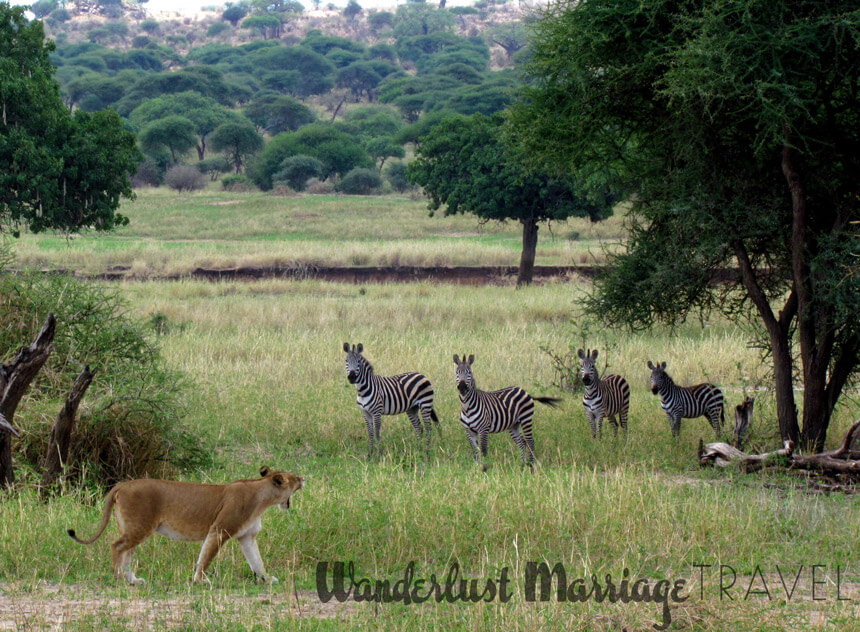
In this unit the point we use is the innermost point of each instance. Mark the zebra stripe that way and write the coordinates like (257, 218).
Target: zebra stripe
(409, 393)
(483, 412)
(605, 397)
(686, 402)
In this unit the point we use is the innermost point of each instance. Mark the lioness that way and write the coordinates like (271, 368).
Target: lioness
(194, 511)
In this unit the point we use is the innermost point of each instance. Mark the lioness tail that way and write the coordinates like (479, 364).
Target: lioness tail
(109, 502)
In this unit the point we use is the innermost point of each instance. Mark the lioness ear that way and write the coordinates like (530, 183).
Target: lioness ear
(346, 347)
(264, 471)
(278, 480)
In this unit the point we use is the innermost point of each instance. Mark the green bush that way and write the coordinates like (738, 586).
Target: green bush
(237, 182)
(130, 422)
(395, 173)
(297, 170)
(216, 28)
(360, 181)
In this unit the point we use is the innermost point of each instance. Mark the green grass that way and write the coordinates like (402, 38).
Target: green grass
(173, 234)
(267, 363)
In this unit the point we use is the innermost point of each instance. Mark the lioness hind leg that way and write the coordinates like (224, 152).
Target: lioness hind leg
(252, 554)
(122, 551)
(211, 546)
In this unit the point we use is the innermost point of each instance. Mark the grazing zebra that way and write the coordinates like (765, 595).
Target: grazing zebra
(605, 397)
(409, 393)
(483, 412)
(686, 401)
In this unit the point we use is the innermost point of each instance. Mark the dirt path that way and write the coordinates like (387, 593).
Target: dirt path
(67, 606)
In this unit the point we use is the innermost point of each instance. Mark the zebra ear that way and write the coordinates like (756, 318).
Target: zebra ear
(594, 355)
(346, 347)
(650, 366)
(456, 359)
(360, 347)
(663, 366)
(471, 358)
(580, 353)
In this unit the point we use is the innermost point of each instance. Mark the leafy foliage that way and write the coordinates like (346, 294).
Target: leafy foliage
(57, 170)
(736, 124)
(130, 424)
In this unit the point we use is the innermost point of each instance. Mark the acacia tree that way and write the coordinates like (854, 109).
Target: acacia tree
(465, 164)
(238, 141)
(738, 124)
(58, 171)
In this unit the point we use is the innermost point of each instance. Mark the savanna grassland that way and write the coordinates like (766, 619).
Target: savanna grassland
(269, 387)
(173, 234)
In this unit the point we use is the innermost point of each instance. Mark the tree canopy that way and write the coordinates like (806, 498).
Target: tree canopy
(465, 164)
(736, 123)
(57, 170)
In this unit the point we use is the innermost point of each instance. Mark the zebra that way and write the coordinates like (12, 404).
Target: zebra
(686, 401)
(409, 393)
(605, 397)
(483, 412)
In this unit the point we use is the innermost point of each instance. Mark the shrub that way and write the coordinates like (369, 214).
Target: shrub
(319, 187)
(216, 28)
(297, 170)
(360, 181)
(213, 167)
(140, 41)
(150, 26)
(61, 15)
(148, 174)
(237, 182)
(184, 178)
(395, 173)
(130, 424)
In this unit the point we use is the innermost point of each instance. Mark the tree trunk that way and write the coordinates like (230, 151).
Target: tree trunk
(778, 329)
(57, 454)
(15, 378)
(527, 258)
(814, 331)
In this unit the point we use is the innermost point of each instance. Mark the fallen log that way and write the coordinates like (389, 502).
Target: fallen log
(842, 463)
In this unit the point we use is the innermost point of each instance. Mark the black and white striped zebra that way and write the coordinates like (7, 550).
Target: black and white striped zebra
(409, 393)
(686, 401)
(483, 412)
(605, 397)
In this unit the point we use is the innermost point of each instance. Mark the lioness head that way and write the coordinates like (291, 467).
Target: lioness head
(285, 483)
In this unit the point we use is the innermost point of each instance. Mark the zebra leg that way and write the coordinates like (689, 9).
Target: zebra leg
(590, 416)
(377, 424)
(483, 435)
(368, 420)
(526, 453)
(675, 423)
(714, 418)
(428, 423)
(614, 423)
(622, 417)
(472, 436)
(415, 420)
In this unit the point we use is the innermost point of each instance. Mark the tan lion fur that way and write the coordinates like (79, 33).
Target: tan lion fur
(193, 511)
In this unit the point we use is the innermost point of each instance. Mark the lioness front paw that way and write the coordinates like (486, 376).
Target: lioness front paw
(267, 579)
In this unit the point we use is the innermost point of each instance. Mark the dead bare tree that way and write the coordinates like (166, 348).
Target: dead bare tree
(743, 417)
(15, 379)
(842, 463)
(57, 454)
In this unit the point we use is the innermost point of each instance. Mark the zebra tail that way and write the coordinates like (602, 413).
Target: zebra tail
(549, 401)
